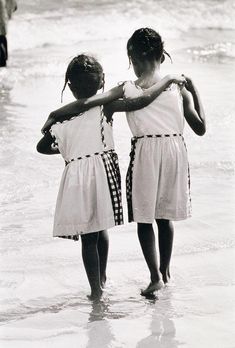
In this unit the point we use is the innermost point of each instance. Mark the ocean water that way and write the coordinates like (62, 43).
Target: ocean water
(43, 285)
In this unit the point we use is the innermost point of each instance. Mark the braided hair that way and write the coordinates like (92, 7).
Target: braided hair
(146, 44)
(85, 75)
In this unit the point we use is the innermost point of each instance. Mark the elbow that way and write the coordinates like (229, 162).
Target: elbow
(201, 131)
(41, 149)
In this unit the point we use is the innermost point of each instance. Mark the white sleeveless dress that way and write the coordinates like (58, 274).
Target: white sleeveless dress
(158, 182)
(89, 198)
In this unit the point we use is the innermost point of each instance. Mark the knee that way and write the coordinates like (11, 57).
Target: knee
(89, 240)
(144, 228)
(162, 223)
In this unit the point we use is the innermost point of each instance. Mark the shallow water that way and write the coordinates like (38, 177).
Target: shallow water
(43, 285)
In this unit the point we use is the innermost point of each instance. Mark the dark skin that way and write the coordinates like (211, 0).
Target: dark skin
(195, 117)
(111, 101)
(95, 245)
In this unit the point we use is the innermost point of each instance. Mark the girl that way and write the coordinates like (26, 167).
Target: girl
(89, 199)
(158, 175)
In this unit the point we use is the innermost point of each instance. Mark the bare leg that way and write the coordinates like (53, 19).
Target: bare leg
(91, 263)
(103, 248)
(147, 242)
(165, 236)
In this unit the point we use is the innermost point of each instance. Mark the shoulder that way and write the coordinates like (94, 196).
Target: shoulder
(130, 89)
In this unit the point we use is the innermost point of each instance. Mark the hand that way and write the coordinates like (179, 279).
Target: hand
(178, 79)
(108, 112)
(189, 84)
(49, 122)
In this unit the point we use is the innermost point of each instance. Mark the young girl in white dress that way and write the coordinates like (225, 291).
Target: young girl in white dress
(89, 198)
(158, 175)
(158, 181)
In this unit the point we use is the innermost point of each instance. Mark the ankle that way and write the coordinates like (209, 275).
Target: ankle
(155, 278)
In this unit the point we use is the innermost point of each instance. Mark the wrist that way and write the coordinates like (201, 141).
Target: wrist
(169, 79)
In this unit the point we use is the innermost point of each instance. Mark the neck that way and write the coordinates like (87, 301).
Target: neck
(151, 75)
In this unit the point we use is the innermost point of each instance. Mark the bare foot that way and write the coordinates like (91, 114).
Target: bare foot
(103, 282)
(165, 276)
(95, 295)
(153, 286)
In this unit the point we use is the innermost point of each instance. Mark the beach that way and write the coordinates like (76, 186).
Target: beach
(43, 285)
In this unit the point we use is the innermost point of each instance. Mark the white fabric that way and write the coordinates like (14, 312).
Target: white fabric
(163, 116)
(160, 186)
(83, 203)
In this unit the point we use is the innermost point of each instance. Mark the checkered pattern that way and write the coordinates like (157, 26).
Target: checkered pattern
(189, 180)
(102, 128)
(110, 160)
(87, 156)
(75, 237)
(129, 176)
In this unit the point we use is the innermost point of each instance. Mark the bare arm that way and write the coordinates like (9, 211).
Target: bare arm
(44, 146)
(147, 97)
(81, 105)
(193, 108)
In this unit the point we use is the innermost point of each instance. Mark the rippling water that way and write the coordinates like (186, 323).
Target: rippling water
(41, 276)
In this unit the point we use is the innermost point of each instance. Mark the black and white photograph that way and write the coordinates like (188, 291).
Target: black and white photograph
(117, 163)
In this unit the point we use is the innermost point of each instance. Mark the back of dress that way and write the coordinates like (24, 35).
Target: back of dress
(89, 198)
(158, 177)
(163, 116)
(82, 135)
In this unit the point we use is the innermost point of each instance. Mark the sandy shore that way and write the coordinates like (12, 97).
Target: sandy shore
(196, 310)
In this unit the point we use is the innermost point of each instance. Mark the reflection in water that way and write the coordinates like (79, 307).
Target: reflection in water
(99, 330)
(162, 328)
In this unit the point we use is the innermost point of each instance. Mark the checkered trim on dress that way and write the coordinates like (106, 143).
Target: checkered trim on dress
(189, 181)
(102, 127)
(110, 160)
(54, 145)
(129, 176)
(87, 156)
(75, 237)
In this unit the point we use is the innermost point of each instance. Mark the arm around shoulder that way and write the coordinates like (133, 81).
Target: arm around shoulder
(147, 97)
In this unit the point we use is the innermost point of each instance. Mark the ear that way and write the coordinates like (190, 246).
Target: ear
(70, 86)
(102, 83)
(162, 58)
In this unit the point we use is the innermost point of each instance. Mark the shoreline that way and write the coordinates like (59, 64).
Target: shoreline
(174, 319)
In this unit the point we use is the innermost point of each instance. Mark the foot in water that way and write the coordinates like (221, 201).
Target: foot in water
(153, 286)
(95, 295)
(103, 282)
(165, 276)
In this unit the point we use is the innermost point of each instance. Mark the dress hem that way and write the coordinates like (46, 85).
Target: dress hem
(145, 220)
(74, 230)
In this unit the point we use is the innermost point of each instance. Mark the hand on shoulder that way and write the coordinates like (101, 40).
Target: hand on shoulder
(178, 79)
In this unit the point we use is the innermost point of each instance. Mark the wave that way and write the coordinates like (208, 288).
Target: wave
(47, 24)
(220, 52)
